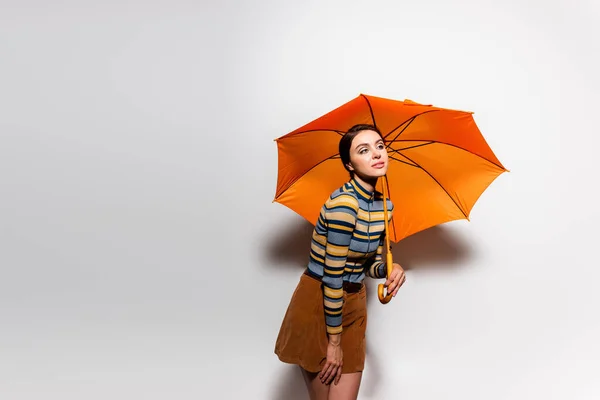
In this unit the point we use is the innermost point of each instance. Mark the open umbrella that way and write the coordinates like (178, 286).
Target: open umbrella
(439, 166)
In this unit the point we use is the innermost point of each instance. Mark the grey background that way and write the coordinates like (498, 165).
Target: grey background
(141, 255)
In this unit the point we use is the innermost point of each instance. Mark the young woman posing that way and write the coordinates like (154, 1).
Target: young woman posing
(323, 330)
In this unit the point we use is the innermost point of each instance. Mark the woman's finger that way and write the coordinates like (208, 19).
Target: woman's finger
(338, 375)
(401, 281)
(392, 287)
(323, 371)
(400, 284)
(327, 372)
(395, 280)
(392, 278)
(333, 374)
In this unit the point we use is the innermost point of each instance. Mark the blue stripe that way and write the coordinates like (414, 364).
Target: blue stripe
(371, 232)
(334, 283)
(343, 232)
(338, 238)
(347, 209)
(370, 239)
(315, 268)
(342, 223)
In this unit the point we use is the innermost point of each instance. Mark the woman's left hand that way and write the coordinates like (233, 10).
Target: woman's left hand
(396, 279)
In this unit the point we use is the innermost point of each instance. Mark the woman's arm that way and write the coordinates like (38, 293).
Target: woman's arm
(376, 266)
(340, 215)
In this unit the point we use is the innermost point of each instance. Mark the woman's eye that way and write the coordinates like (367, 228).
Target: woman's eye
(362, 151)
(380, 146)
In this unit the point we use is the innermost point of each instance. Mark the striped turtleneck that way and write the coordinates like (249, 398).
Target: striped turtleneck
(347, 245)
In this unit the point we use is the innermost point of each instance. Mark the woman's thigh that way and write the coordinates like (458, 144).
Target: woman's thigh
(347, 388)
(316, 389)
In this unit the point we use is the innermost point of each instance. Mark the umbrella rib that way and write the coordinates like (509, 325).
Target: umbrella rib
(403, 129)
(452, 145)
(387, 183)
(411, 147)
(404, 162)
(411, 119)
(439, 184)
(370, 109)
(336, 155)
(312, 130)
(398, 151)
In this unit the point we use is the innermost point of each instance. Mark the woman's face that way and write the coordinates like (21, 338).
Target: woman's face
(368, 155)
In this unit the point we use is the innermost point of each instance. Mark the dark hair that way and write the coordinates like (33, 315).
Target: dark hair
(346, 142)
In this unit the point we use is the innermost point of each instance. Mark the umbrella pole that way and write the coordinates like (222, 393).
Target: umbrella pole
(384, 299)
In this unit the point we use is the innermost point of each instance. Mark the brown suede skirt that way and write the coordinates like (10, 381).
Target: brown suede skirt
(302, 338)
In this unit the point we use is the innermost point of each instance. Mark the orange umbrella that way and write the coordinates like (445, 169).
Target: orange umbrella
(440, 164)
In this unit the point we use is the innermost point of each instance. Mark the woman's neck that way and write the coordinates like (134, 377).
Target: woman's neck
(368, 184)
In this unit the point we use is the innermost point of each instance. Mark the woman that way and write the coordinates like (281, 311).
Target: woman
(323, 330)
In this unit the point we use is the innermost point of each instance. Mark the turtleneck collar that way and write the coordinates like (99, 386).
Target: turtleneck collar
(361, 191)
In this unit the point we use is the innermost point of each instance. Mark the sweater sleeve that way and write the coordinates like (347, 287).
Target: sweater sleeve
(376, 266)
(341, 214)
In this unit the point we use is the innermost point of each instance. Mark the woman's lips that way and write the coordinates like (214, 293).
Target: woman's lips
(379, 165)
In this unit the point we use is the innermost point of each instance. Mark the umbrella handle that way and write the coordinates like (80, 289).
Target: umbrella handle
(381, 288)
(384, 299)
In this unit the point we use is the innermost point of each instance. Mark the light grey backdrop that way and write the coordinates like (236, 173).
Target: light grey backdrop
(142, 257)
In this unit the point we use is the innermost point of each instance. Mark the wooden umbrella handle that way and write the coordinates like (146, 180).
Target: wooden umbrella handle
(381, 288)
(383, 298)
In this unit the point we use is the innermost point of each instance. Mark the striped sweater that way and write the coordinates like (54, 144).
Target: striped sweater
(347, 245)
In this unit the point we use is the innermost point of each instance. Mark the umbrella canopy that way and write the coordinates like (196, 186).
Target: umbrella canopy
(439, 162)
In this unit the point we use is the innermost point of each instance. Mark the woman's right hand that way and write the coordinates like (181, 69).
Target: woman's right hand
(333, 366)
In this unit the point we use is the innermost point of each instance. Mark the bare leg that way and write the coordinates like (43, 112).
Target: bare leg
(347, 387)
(316, 389)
